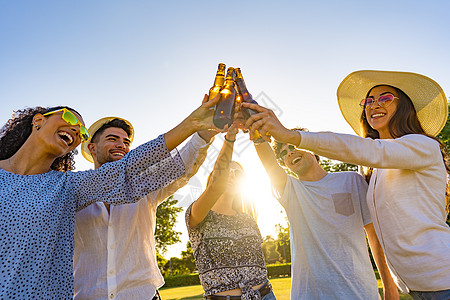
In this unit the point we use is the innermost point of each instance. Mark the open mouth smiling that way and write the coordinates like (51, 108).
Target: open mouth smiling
(296, 160)
(377, 115)
(67, 138)
(118, 153)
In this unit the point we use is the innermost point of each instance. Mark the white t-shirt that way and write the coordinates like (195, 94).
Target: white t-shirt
(327, 219)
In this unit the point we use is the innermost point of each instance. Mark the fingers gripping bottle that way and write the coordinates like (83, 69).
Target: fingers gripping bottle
(245, 96)
(224, 112)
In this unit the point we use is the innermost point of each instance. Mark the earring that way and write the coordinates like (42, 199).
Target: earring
(37, 126)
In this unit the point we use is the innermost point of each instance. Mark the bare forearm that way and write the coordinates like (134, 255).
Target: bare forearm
(389, 287)
(207, 135)
(216, 186)
(199, 119)
(276, 173)
(178, 134)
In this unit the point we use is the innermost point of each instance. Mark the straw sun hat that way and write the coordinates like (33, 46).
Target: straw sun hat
(93, 129)
(427, 96)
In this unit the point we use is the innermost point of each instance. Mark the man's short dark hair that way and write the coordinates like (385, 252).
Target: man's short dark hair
(116, 123)
(276, 146)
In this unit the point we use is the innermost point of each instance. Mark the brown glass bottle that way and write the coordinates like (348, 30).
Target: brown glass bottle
(224, 112)
(246, 97)
(218, 81)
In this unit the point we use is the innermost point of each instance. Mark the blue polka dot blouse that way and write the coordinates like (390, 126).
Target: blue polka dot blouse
(37, 215)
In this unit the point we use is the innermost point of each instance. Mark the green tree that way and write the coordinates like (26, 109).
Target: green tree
(337, 166)
(269, 247)
(283, 243)
(188, 258)
(444, 136)
(175, 266)
(178, 266)
(161, 263)
(166, 218)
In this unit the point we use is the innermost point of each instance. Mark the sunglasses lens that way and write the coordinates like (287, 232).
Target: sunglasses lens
(70, 118)
(366, 103)
(385, 100)
(283, 154)
(84, 133)
(291, 147)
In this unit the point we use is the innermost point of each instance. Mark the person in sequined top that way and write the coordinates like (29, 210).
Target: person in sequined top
(225, 240)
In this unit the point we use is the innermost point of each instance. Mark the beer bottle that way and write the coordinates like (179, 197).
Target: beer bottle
(245, 96)
(218, 81)
(225, 107)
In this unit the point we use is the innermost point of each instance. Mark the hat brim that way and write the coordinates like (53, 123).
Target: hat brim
(427, 96)
(93, 129)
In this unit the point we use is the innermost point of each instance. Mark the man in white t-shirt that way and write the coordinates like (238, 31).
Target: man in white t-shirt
(114, 255)
(327, 213)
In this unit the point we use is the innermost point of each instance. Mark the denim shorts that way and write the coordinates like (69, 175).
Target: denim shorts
(435, 295)
(269, 296)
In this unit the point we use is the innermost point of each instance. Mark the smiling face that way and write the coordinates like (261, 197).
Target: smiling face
(60, 137)
(377, 116)
(112, 144)
(298, 161)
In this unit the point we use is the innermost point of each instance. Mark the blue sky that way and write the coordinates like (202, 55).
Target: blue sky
(151, 62)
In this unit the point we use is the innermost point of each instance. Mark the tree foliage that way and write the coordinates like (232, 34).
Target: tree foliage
(166, 218)
(284, 243)
(444, 136)
(269, 248)
(337, 166)
(179, 266)
(188, 258)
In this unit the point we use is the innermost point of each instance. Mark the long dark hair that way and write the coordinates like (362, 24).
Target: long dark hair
(404, 121)
(17, 130)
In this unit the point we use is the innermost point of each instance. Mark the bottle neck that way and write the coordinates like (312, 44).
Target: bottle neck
(219, 80)
(242, 89)
(229, 84)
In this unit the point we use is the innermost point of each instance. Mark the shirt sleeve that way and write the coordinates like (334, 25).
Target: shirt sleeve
(361, 191)
(193, 155)
(287, 192)
(409, 152)
(147, 168)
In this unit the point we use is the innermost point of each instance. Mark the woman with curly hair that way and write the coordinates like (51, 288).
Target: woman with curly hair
(397, 116)
(39, 194)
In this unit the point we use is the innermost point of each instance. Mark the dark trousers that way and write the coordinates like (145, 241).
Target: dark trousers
(157, 296)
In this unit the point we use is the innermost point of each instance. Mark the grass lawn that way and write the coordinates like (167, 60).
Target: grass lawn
(281, 288)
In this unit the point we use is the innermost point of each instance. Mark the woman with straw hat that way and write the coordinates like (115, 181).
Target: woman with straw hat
(397, 120)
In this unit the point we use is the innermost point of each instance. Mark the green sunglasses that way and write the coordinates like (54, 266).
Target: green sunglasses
(284, 153)
(71, 119)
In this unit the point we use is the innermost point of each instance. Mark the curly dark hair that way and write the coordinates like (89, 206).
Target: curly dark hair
(17, 130)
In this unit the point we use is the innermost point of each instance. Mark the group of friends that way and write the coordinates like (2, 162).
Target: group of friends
(66, 234)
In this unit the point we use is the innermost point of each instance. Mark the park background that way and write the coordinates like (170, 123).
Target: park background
(151, 62)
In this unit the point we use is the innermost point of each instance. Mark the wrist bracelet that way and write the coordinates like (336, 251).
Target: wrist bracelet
(231, 141)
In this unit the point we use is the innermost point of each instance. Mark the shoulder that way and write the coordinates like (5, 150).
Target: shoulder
(345, 174)
(348, 176)
(418, 139)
